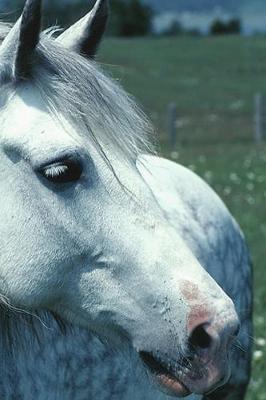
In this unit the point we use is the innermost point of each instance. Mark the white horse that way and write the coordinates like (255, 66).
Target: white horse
(98, 232)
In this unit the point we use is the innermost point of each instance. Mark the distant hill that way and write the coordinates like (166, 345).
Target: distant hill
(199, 13)
(235, 6)
(194, 5)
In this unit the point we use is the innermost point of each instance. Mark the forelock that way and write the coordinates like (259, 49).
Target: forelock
(95, 104)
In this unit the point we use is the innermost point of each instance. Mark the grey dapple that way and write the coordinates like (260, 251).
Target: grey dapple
(108, 252)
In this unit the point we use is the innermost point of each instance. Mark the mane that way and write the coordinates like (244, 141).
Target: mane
(97, 107)
(4, 30)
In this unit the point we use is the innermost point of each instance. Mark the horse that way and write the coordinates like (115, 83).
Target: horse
(123, 276)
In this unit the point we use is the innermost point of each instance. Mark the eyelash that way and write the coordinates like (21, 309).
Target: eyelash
(64, 171)
(54, 171)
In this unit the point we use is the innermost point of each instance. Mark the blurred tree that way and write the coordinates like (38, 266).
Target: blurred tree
(130, 18)
(174, 29)
(220, 27)
(217, 27)
(234, 25)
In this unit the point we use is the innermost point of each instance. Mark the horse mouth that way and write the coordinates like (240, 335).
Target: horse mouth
(201, 379)
(163, 377)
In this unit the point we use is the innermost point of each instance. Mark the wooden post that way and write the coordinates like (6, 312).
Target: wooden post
(172, 128)
(258, 101)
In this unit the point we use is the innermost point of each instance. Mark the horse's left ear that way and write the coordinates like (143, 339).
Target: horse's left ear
(85, 36)
(17, 50)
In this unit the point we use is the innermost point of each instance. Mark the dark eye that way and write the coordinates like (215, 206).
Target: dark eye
(62, 171)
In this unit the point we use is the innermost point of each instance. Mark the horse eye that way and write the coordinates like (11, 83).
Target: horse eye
(62, 171)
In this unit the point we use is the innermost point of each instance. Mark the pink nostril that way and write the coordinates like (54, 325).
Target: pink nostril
(207, 336)
(200, 338)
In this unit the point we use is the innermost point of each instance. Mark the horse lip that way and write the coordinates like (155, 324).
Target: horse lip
(200, 385)
(168, 382)
(163, 377)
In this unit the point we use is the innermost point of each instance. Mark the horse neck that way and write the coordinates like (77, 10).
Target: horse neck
(46, 361)
(22, 337)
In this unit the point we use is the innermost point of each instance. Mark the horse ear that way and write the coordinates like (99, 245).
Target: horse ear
(18, 48)
(85, 36)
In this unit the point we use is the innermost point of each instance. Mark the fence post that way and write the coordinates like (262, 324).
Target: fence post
(172, 128)
(258, 101)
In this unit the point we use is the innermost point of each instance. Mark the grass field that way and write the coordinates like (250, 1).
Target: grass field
(213, 82)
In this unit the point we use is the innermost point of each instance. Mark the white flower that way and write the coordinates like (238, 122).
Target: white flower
(192, 167)
(251, 176)
(257, 355)
(251, 200)
(208, 175)
(260, 320)
(260, 179)
(202, 159)
(227, 190)
(174, 155)
(250, 186)
(234, 178)
(261, 342)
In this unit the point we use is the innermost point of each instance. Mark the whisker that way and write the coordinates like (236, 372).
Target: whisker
(251, 337)
(240, 347)
(17, 310)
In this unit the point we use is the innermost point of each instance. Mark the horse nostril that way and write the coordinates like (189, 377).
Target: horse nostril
(200, 338)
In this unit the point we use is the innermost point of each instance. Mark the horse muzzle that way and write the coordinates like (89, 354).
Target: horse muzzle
(202, 368)
(189, 377)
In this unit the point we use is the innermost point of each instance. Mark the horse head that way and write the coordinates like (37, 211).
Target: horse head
(81, 232)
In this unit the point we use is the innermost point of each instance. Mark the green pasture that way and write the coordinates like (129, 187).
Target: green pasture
(213, 82)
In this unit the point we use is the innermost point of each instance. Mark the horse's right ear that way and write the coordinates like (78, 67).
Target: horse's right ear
(17, 49)
(85, 36)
